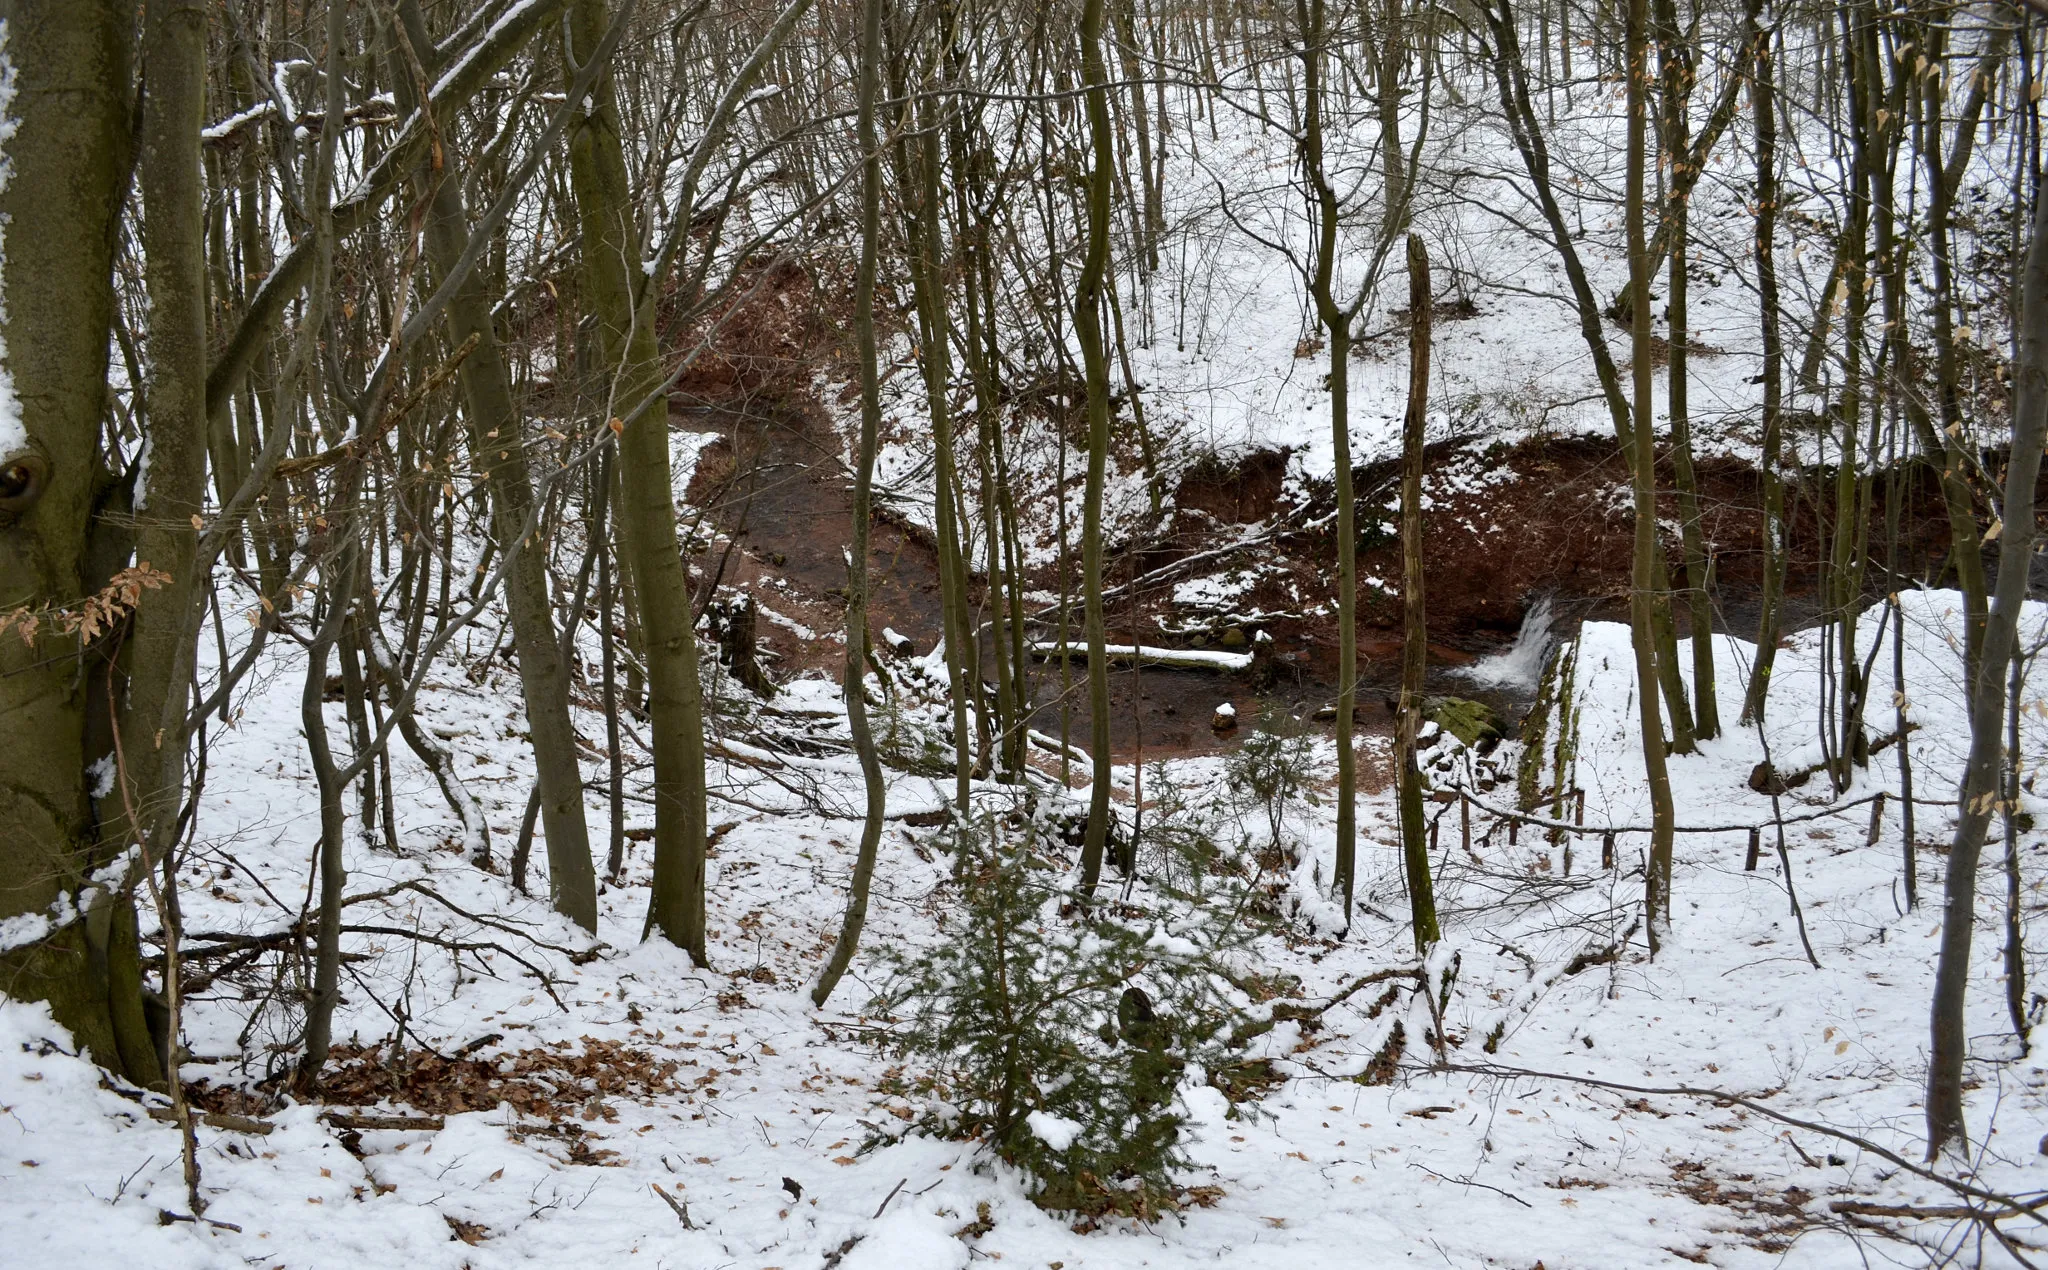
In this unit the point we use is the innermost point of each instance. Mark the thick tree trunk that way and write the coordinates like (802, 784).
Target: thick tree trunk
(67, 163)
(622, 299)
(160, 647)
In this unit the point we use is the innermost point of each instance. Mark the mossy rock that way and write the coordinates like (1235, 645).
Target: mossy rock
(1470, 721)
(1233, 637)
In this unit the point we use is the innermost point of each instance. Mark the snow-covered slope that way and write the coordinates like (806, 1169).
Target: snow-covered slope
(725, 1082)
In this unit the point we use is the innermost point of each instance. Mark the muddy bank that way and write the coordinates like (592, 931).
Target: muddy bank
(1541, 530)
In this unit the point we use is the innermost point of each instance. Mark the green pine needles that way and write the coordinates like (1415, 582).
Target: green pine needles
(1061, 1033)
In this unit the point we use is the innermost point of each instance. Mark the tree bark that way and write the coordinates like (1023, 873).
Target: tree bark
(1981, 776)
(918, 177)
(1311, 17)
(1675, 56)
(624, 300)
(1415, 626)
(68, 164)
(863, 509)
(1088, 300)
(1763, 91)
(1657, 877)
(497, 445)
(159, 649)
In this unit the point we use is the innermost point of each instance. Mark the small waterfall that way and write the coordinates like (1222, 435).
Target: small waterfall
(1519, 667)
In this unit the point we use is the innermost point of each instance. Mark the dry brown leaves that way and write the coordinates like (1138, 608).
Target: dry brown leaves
(1777, 1215)
(91, 615)
(552, 1083)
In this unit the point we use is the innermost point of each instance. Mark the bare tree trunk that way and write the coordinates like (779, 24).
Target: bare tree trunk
(1388, 63)
(1944, 180)
(1845, 569)
(68, 164)
(608, 659)
(1763, 91)
(1088, 301)
(339, 575)
(1980, 794)
(621, 296)
(917, 154)
(1675, 55)
(863, 509)
(498, 448)
(2015, 930)
(160, 649)
(1657, 877)
(1311, 20)
(1152, 219)
(1415, 627)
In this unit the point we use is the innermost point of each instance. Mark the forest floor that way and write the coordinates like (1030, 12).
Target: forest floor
(579, 1086)
(583, 1101)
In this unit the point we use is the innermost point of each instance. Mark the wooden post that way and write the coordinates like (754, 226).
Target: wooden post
(1607, 849)
(1514, 831)
(1579, 807)
(1464, 822)
(1756, 838)
(1432, 833)
(1876, 818)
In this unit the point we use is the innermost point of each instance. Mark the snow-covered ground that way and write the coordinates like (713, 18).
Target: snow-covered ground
(1473, 1163)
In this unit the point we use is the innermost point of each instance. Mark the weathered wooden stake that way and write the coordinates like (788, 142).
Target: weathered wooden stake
(1876, 819)
(1756, 839)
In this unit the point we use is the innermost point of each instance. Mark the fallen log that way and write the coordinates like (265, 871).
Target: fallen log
(216, 1120)
(1146, 655)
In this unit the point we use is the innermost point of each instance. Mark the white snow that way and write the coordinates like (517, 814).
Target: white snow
(13, 434)
(1057, 1132)
(1184, 658)
(1535, 1166)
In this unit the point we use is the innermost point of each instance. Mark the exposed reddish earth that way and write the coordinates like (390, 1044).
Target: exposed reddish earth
(1560, 524)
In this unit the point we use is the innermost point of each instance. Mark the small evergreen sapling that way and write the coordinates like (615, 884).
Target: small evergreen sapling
(1271, 773)
(1060, 1033)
